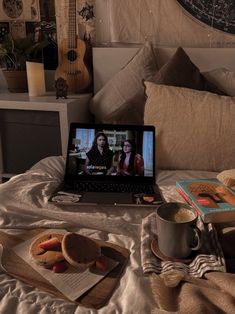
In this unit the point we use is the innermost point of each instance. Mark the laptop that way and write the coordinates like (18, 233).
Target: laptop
(109, 164)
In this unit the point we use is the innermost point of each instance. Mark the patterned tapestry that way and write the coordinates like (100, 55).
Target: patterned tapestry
(189, 23)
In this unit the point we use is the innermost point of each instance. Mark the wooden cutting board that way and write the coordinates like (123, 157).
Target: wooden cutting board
(95, 298)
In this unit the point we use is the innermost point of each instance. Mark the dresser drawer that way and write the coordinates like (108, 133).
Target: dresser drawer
(29, 117)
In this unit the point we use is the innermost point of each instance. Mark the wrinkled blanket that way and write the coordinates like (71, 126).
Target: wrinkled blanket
(23, 205)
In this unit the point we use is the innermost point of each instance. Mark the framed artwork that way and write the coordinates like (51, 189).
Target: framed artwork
(19, 10)
(219, 14)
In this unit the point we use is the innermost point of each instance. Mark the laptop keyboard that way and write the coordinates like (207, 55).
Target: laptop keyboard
(114, 187)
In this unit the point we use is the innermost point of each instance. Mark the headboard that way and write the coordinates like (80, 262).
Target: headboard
(109, 60)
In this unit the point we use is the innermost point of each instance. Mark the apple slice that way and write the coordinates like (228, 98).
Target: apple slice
(52, 244)
(102, 263)
(60, 267)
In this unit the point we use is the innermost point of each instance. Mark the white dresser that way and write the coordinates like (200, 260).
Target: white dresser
(32, 128)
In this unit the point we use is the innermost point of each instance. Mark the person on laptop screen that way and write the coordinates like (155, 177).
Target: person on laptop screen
(99, 160)
(130, 163)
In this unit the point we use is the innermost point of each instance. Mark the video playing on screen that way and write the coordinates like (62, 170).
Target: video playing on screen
(111, 152)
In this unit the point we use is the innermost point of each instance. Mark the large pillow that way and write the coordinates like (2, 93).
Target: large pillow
(223, 79)
(124, 92)
(182, 72)
(195, 129)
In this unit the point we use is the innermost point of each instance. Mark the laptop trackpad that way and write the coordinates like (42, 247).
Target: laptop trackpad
(107, 198)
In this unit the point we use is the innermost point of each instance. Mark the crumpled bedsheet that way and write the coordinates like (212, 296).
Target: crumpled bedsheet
(23, 205)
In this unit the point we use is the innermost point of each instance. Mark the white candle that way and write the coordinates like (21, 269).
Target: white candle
(36, 78)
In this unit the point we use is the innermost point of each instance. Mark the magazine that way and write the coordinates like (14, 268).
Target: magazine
(213, 200)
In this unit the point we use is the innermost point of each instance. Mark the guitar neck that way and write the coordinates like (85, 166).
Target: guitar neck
(72, 29)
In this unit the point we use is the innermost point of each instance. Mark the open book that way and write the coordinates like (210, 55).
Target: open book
(214, 201)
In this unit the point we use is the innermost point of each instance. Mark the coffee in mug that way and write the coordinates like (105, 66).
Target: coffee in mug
(177, 233)
(178, 214)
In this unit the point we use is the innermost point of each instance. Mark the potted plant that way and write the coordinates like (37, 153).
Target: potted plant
(13, 56)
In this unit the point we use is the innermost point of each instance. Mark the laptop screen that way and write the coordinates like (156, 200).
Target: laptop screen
(117, 152)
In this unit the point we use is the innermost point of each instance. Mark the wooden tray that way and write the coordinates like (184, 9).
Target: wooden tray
(95, 298)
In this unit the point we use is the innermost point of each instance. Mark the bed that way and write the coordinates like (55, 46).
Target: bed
(177, 94)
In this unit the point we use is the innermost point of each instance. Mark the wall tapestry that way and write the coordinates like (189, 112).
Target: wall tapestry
(219, 14)
(166, 23)
(25, 10)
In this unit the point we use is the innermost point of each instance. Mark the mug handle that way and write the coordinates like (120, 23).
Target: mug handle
(197, 233)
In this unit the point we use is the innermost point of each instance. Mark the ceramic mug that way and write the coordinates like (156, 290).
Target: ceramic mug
(177, 233)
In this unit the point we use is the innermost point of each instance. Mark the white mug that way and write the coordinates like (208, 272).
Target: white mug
(177, 233)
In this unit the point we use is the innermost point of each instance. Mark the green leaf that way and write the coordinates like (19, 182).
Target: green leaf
(15, 52)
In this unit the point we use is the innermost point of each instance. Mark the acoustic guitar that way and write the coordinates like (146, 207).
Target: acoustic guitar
(72, 52)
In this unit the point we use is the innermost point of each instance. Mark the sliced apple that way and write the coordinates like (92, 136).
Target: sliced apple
(52, 244)
(60, 267)
(102, 263)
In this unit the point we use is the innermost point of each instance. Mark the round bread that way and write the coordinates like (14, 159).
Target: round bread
(80, 251)
(46, 258)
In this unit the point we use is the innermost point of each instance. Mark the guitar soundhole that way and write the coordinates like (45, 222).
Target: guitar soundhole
(72, 55)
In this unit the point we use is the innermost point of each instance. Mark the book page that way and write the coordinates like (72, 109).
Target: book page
(73, 282)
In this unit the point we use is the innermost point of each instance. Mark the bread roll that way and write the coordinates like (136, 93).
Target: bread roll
(80, 251)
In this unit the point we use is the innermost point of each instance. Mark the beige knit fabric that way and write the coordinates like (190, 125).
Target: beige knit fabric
(194, 129)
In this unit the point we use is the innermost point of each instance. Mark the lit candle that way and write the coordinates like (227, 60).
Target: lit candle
(36, 78)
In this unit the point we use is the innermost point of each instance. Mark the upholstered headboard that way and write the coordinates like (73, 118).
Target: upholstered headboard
(109, 60)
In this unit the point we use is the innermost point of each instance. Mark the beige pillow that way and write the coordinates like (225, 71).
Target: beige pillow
(223, 79)
(195, 129)
(126, 88)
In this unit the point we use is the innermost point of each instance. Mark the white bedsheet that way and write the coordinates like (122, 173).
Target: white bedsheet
(23, 205)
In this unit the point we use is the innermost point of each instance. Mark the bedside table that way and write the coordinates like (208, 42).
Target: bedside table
(32, 128)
